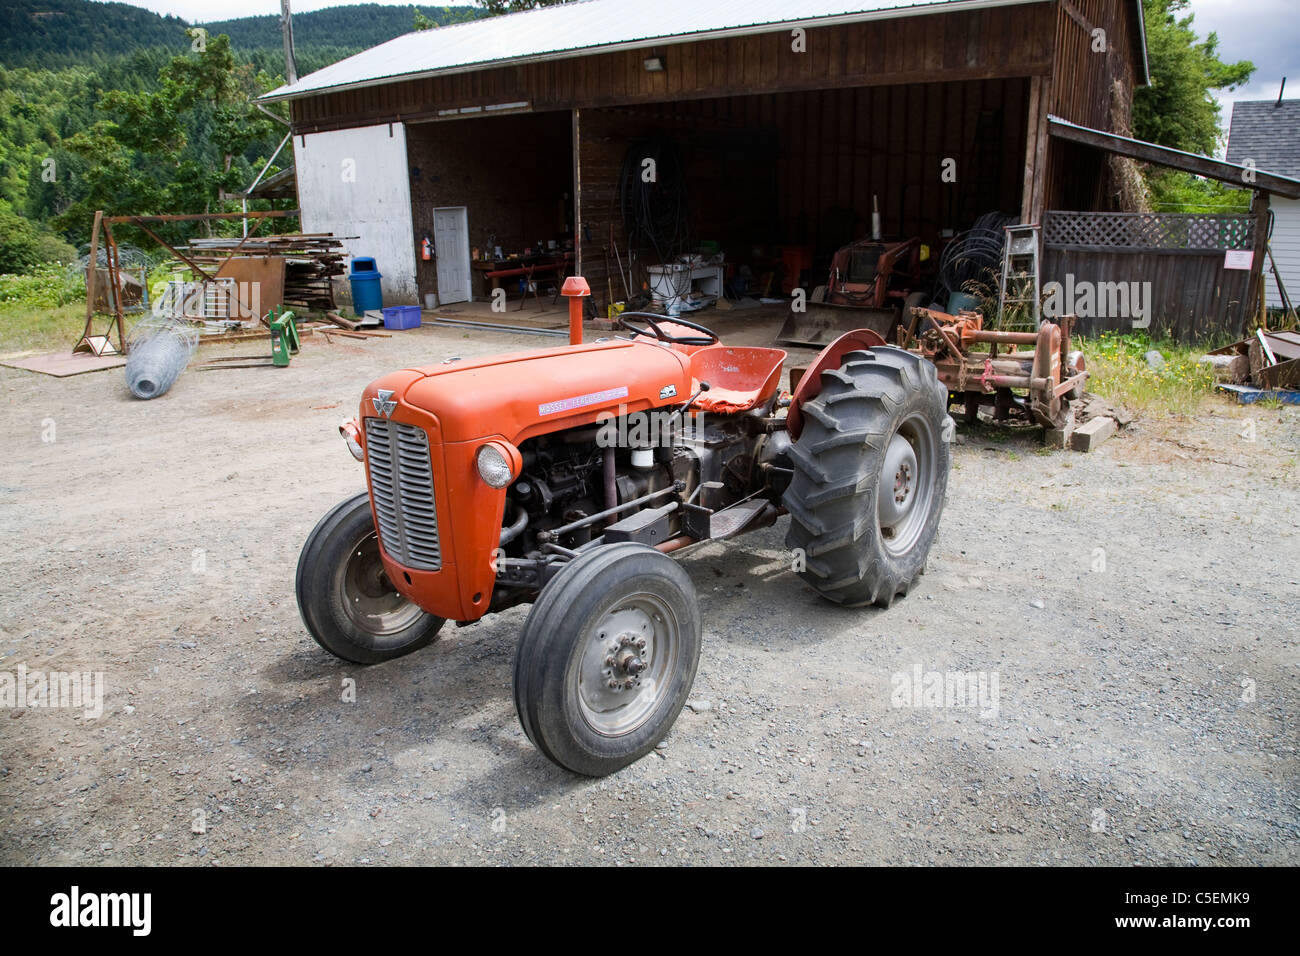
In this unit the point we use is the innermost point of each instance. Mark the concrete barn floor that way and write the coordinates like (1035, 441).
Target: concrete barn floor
(1146, 712)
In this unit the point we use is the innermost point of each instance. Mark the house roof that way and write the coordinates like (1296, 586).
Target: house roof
(591, 26)
(1267, 132)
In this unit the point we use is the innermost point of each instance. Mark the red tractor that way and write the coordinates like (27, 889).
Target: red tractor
(565, 477)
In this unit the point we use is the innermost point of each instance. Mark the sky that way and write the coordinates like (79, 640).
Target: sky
(1266, 32)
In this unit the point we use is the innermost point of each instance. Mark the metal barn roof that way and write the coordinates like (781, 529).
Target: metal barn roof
(574, 29)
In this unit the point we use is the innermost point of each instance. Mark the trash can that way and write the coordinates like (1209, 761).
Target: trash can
(366, 293)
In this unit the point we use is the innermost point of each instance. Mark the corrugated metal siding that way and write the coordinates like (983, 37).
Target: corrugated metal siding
(1286, 250)
(590, 26)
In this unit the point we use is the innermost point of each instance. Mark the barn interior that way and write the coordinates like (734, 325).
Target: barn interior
(766, 186)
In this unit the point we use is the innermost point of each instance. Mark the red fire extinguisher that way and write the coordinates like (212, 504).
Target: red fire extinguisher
(426, 248)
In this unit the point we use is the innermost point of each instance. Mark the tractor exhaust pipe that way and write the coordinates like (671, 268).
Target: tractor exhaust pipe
(575, 289)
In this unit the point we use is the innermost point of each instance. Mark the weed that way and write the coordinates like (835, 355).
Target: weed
(1121, 374)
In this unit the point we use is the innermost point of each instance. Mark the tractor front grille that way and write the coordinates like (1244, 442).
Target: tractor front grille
(401, 484)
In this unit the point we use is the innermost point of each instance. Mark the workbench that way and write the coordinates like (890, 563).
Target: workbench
(525, 267)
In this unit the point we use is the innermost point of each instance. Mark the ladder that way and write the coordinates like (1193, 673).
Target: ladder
(1020, 289)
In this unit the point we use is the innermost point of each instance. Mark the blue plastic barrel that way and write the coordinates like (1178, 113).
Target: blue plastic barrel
(366, 293)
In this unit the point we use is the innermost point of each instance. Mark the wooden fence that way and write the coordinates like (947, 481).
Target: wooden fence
(1119, 270)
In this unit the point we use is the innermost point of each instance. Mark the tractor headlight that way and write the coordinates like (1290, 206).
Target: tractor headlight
(495, 465)
(352, 435)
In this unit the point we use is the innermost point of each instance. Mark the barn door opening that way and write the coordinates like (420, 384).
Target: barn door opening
(451, 239)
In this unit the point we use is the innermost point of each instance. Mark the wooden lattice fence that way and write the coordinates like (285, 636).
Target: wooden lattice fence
(1173, 264)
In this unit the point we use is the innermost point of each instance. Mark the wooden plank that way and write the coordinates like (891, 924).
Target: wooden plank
(1035, 212)
(1031, 147)
(1171, 158)
(1088, 436)
(264, 273)
(1255, 300)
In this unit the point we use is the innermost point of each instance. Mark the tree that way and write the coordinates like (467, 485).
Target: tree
(1177, 109)
(176, 148)
(498, 7)
(24, 245)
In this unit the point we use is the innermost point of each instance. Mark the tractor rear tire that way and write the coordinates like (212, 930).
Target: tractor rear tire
(870, 473)
(346, 600)
(622, 614)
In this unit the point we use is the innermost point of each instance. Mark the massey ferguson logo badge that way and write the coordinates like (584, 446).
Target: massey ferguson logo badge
(668, 391)
(384, 403)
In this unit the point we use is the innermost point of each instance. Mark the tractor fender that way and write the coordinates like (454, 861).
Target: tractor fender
(831, 357)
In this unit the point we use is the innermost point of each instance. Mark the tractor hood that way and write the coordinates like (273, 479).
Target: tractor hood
(522, 394)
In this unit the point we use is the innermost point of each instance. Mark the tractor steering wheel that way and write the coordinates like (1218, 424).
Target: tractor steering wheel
(649, 318)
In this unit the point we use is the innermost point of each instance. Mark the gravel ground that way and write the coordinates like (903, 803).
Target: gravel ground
(1137, 608)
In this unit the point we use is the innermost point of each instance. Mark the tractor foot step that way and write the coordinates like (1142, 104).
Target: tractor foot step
(731, 521)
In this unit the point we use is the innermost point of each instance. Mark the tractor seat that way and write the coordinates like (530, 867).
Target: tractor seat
(739, 378)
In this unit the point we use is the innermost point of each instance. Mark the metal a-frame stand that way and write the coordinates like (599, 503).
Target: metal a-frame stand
(103, 344)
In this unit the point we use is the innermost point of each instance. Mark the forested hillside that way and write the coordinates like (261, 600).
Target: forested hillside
(359, 25)
(108, 106)
(48, 34)
(53, 33)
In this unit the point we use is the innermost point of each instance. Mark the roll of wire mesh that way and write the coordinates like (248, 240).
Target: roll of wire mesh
(974, 256)
(158, 350)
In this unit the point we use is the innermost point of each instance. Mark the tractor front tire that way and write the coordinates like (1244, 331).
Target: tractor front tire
(870, 473)
(607, 657)
(345, 598)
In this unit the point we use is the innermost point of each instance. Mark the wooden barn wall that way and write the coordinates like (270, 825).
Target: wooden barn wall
(802, 168)
(729, 174)
(1092, 89)
(1193, 298)
(514, 175)
(968, 45)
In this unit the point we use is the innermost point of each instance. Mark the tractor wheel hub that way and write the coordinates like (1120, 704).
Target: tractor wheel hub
(898, 478)
(625, 662)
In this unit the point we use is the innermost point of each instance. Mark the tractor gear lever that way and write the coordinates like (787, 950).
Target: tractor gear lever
(704, 387)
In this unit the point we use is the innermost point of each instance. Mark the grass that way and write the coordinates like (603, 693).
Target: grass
(41, 311)
(1121, 375)
(29, 328)
(45, 310)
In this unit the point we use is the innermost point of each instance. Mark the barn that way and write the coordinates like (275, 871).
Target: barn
(776, 130)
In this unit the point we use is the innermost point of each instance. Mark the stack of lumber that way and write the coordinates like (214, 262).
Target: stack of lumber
(311, 262)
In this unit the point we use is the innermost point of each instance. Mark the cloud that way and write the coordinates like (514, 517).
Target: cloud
(1266, 32)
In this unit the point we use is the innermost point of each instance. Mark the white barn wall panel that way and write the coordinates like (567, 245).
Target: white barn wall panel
(1286, 250)
(354, 182)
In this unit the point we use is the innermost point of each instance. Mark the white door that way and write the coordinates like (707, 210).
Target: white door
(451, 240)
